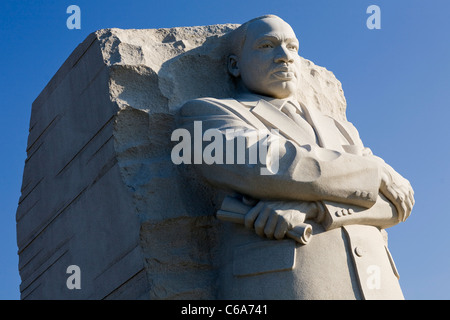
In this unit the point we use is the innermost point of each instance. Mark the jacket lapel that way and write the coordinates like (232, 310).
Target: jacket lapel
(276, 119)
(327, 133)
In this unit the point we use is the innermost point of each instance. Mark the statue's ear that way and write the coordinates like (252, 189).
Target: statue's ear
(233, 66)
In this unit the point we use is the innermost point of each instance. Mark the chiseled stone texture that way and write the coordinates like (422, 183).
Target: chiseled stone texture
(99, 188)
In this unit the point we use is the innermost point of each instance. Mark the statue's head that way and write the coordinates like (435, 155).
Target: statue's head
(264, 57)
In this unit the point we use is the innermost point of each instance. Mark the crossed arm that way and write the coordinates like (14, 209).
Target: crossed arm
(305, 173)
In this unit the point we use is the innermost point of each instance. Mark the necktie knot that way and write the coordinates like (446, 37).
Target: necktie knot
(291, 110)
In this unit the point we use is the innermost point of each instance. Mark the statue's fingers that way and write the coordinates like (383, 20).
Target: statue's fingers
(394, 197)
(251, 216)
(411, 196)
(271, 224)
(409, 206)
(409, 199)
(281, 229)
(261, 221)
(404, 209)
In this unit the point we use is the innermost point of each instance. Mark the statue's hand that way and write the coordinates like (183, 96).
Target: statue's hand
(274, 218)
(398, 190)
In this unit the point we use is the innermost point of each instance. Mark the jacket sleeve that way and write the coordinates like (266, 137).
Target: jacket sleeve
(382, 214)
(303, 173)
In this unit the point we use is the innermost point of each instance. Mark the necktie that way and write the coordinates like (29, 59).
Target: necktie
(294, 113)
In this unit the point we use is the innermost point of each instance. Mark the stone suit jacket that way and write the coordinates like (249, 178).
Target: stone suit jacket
(328, 167)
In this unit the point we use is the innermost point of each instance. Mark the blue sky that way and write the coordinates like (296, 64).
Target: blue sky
(396, 81)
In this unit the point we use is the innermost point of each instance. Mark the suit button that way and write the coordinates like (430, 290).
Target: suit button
(370, 195)
(337, 214)
(358, 193)
(364, 194)
(344, 212)
(350, 211)
(359, 251)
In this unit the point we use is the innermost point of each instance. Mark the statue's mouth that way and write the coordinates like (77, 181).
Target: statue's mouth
(284, 75)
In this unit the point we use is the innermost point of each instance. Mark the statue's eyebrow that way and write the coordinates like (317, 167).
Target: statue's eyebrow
(277, 38)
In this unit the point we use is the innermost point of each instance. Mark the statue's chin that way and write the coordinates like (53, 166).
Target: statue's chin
(282, 89)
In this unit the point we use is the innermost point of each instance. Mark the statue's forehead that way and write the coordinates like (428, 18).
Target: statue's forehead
(270, 27)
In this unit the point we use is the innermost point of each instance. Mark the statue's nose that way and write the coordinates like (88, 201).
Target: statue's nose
(283, 55)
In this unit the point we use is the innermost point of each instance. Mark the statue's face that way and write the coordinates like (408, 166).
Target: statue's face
(269, 61)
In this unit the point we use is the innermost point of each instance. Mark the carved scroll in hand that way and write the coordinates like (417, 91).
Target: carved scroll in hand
(234, 210)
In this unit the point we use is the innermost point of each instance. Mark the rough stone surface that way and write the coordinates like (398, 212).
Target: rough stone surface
(99, 189)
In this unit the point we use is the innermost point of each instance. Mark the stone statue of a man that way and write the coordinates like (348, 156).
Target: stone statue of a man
(313, 227)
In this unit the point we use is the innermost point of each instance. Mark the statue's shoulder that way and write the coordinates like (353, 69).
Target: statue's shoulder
(207, 105)
(210, 100)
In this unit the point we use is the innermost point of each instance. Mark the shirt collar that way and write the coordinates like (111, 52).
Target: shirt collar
(251, 98)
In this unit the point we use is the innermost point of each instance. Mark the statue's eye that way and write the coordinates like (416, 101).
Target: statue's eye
(292, 47)
(266, 45)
